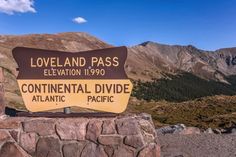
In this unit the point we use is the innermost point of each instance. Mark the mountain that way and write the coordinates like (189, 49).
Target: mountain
(145, 61)
(158, 59)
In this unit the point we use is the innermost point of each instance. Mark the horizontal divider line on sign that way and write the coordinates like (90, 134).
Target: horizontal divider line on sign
(71, 115)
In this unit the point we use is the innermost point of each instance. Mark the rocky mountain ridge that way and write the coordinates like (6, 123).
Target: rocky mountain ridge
(157, 59)
(145, 61)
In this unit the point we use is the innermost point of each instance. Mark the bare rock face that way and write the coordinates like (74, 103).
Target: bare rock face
(109, 150)
(73, 149)
(49, 147)
(110, 139)
(14, 134)
(233, 131)
(127, 126)
(94, 130)
(172, 129)
(92, 149)
(41, 126)
(71, 129)
(178, 129)
(190, 130)
(147, 129)
(4, 135)
(135, 141)
(10, 149)
(123, 151)
(10, 123)
(108, 127)
(156, 58)
(28, 142)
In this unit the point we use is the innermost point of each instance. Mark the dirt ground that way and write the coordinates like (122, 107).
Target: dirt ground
(199, 145)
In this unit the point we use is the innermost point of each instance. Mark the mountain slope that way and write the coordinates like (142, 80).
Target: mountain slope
(158, 58)
(145, 61)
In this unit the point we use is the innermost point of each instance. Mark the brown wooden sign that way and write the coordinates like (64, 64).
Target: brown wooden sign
(92, 79)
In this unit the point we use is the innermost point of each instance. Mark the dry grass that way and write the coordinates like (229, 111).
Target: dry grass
(214, 112)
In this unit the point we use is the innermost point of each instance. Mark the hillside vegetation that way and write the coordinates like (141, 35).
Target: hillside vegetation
(182, 87)
(208, 112)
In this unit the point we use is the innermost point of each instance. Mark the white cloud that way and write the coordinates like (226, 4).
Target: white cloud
(79, 20)
(12, 6)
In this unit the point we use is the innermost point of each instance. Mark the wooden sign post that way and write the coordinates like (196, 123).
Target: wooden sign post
(92, 79)
(2, 105)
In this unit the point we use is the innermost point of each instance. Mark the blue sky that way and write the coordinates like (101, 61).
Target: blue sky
(206, 24)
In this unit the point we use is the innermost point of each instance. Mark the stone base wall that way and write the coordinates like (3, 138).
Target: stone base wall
(124, 136)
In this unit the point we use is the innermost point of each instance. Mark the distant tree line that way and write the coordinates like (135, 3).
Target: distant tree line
(182, 87)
